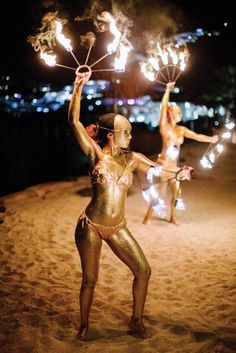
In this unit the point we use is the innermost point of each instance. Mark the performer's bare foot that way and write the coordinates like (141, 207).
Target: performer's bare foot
(146, 221)
(137, 329)
(175, 222)
(82, 335)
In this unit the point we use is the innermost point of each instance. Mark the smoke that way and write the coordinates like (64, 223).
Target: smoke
(142, 20)
(45, 38)
(96, 11)
(87, 40)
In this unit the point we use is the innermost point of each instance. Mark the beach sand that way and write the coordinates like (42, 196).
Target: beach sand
(191, 301)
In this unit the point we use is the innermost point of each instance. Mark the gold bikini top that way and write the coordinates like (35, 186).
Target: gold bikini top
(101, 174)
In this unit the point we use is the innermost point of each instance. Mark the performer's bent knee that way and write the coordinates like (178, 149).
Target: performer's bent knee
(89, 282)
(144, 273)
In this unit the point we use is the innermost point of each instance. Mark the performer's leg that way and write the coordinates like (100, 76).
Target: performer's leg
(128, 250)
(89, 244)
(148, 213)
(175, 188)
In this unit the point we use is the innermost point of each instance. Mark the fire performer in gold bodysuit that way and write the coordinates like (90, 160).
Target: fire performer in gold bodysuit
(111, 169)
(172, 138)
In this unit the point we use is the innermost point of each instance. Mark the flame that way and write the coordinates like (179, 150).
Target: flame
(173, 56)
(182, 61)
(164, 60)
(163, 54)
(52, 31)
(147, 73)
(61, 38)
(154, 63)
(121, 59)
(49, 59)
(112, 47)
(119, 43)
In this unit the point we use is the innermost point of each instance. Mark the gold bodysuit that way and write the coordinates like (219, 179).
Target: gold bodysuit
(101, 174)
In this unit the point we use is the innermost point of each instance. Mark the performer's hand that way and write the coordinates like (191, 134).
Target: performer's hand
(185, 173)
(82, 78)
(170, 85)
(215, 138)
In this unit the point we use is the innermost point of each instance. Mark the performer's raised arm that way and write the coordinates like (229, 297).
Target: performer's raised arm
(87, 144)
(164, 105)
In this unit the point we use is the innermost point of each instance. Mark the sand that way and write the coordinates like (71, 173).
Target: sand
(191, 302)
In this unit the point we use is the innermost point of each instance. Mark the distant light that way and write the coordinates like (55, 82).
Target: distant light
(90, 107)
(131, 101)
(14, 105)
(176, 90)
(131, 119)
(98, 102)
(187, 105)
(199, 32)
(210, 112)
(225, 24)
(195, 115)
(154, 123)
(44, 89)
(221, 110)
(140, 118)
(89, 96)
(67, 88)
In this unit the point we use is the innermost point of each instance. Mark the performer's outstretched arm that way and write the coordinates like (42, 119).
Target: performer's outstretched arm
(144, 164)
(199, 137)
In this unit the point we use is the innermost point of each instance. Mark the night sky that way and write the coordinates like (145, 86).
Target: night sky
(20, 61)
